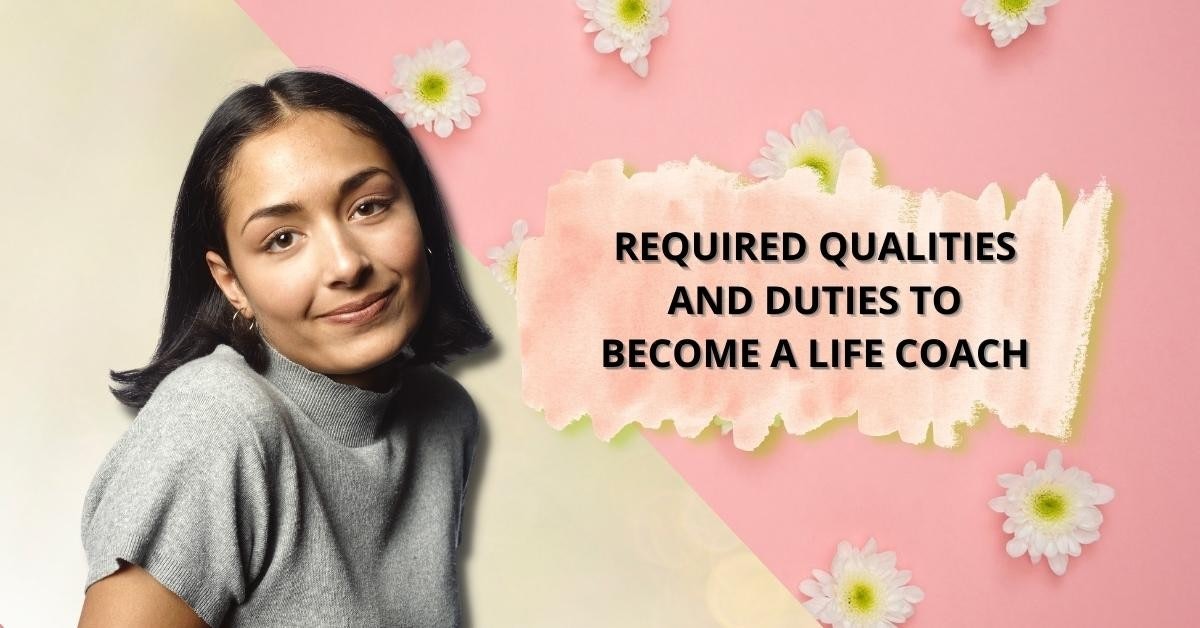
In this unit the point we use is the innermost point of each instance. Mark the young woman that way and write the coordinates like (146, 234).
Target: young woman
(298, 458)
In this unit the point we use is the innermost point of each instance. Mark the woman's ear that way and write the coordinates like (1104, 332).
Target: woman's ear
(228, 284)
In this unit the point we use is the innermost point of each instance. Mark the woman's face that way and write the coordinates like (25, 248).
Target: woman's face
(318, 220)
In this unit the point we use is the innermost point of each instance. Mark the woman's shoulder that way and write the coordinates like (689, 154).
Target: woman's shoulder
(185, 492)
(218, 391)
(442, 397)
(194, 429)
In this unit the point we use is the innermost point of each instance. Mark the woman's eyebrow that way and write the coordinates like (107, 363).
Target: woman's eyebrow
(360, 178)
(282, 209)
(347, 186)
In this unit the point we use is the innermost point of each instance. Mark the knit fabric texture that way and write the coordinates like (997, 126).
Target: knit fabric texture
(289, 499)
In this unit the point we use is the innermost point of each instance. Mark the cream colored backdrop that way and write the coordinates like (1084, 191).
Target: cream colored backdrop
(100, 110)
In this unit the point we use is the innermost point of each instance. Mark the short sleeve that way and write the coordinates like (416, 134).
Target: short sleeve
(470, 444)
(183, 493)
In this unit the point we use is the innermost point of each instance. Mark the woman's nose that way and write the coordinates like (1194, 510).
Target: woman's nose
(345, 261)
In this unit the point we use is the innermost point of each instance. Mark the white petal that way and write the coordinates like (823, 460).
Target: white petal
(887, 560)
(474, 85)
(471, 106)
(776, 140)
(813, 122)
(1008, 479)
(1058, 564)
(763, 168)
(1104, 493)
(443, 127)
(519, 229)
(843, 552)
(999, 504)
(456, 53)
(775, 154)
(604, 42)
(798, 135)
(395, 102)
(810, 588)
(1054, 461)
(400, 65)
(641, 66)
(815, 606)
(628, 54)
(1089, 518)
(1016, 547)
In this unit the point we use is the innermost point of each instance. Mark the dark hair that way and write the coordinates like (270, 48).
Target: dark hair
(197, 316)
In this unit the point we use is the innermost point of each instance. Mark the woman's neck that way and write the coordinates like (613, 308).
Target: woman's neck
(377, 379)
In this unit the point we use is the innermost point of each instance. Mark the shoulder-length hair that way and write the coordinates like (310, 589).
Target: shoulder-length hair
(197, 316)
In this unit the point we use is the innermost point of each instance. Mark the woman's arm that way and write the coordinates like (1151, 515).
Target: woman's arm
(183, 493)
(132, 598)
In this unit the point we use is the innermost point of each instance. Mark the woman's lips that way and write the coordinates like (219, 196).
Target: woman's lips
(363, 315)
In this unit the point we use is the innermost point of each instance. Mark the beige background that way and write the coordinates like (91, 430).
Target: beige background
(99, 114)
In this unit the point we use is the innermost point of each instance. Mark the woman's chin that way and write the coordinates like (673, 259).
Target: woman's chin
(366, 350)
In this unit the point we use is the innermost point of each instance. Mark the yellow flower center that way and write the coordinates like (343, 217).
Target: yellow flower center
(860, 598)
(1014, 7)
(510, 270)
(818, 164)
(433, 87)
(633, 13)
(1049, 504)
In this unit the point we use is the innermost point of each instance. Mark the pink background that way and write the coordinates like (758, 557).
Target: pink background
(1104, 89)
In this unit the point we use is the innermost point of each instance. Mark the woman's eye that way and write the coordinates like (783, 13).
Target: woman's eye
(370, 208)
(280, 241)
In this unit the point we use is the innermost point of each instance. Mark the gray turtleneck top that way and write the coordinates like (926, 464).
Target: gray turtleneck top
(290, 499)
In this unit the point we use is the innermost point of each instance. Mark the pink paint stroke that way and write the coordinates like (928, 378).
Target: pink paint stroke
(572, 293)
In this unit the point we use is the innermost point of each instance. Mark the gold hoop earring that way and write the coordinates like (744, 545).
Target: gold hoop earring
(236, 313)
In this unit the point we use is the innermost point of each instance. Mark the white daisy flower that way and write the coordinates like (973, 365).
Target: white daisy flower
(436, 90)
(504, 259)
(1051, 512)
(864, 589)
(628, 25)
(811, 146)
(1007, 19)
